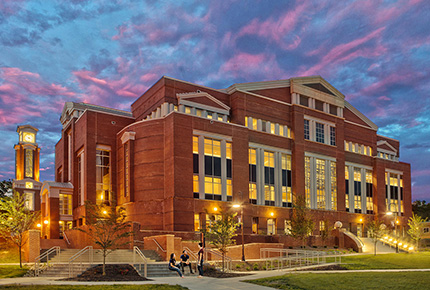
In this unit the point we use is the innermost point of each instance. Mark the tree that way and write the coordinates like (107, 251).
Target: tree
(416, 225)
(326, 231)
(220, 232)
(376, 230)
(106, 227)
(5, 187)
(16, 219)
(301, 222)
(421, 208)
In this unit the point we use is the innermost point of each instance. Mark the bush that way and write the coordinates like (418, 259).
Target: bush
(248, 269)
(264, 268)
(238, 266)
(256, 267)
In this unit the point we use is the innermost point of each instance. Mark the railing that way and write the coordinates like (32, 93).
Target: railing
(277, 259)
(402, 244)
(72, 260)
(65, 237)
(37, 262)
(356, 239)
(137, 253)
(194, 257)
(159, 246)
(227, 260)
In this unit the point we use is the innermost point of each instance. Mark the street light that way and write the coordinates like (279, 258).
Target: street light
(241, 216)
(394, 213)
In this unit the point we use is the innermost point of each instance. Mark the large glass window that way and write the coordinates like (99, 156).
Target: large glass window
(357, 190)
(255, 225)
(271, 226)
(81, 179)
(196, 166)
(308, 181)
(29, 200)
(333, 185)
(103, 176)
(287, 196)
(65, 204)
(269, 178)
(369, 192)
(320, 178)
(346, 188)
(307, 130)
(228, 156)
(29, 163)
(332, 136)
(213, 169)
(252, 156)
(127, 169)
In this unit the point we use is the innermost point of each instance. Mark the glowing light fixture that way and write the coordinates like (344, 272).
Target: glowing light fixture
(104, 212)
(61, 222)
(361, 220)
(405, 246)
(38, 225)
(411, 248)
(386, 238)
(272, 214)
(236, 205)
(45, 222)
(390, 213)
(215, 209)
(400, 244)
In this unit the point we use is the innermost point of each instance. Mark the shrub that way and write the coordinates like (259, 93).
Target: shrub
(256, 267)
(238, 266)
(248, 269)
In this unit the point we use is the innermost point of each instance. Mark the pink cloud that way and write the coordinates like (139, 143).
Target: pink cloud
(384, 98)
(346, 52)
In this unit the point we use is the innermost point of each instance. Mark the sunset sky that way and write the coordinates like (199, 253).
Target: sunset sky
(377, 53)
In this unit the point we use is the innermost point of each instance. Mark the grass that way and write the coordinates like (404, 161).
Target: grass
(346, 281)
(98, 287)
(388, 261)
(9, 255)
(11, 271)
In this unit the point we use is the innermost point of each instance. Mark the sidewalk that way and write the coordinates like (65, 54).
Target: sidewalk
(192, 282)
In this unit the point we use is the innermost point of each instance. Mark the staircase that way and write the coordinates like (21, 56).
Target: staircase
(60, 263)
(380, 247)
(161, 269)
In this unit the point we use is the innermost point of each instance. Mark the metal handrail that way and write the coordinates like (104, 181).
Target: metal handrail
(219, 255)
(287, 258)
(67, 239)
(159, 246)
(88, 249)
(46, 254)
(192, 254)
(136, 250)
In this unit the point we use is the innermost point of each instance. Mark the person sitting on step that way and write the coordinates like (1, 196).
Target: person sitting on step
(185, 261)
(173, 266)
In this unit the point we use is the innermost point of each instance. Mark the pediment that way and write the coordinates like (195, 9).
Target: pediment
(384, 145)
(202, 100)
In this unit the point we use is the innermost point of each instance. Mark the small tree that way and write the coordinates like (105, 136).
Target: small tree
(301, 222)
(220, 233)
(326, 231)
(106, 227)
(376, 230)
(16, 219)
(416, 226)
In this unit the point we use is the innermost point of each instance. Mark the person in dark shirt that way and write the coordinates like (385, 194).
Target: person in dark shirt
(173, 266)
(200, 260)
(185, 261)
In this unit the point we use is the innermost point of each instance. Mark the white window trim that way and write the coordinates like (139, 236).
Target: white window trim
(312, 130)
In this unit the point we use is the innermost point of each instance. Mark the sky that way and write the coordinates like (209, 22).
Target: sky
(376, 52)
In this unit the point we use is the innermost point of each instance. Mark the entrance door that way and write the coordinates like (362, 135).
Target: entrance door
(359, 230)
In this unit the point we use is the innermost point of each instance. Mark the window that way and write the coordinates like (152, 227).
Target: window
(29, 163)
(322, 226)
(319, 132)
(212, 169)
(394, 192)
(252, 156)
(319, 105)
(347, 188)
(196, 167)
(307, 130)
(287, 196)
(70, 151)
(426, 230)
(287, 227)
(267, 126)
(333, 110)
(126, 169)
(269, 178)
(332, 136)
(66, 204)
(271, 226)
(255, 225)
(304, 101)
(320, 178)
(197, 222)
(228, 157)
(333, 185)
(357, 190)
(308, 181)
(81, 179)
(369, 192)
(29, 200)
(103, 177)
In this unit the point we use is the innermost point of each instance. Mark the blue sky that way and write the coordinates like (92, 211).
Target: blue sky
(377, 53)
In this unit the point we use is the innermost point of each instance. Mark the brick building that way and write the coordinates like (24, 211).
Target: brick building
(186, 151)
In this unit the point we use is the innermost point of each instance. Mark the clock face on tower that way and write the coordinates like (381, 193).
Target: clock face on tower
(28, 137)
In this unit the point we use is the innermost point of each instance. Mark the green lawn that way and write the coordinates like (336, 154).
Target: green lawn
(11, 271)
(99, 287)
(388, 261)
(346, 281)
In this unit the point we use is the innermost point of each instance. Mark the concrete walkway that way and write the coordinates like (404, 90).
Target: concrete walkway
(191, 282)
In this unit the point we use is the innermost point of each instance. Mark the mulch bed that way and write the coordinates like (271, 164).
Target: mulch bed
(325, 268)
(114, 272)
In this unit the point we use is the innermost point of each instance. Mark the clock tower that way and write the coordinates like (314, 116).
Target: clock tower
(27, 155)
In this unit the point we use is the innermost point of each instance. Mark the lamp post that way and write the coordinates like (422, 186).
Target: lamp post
(241, 216)
(394, 213)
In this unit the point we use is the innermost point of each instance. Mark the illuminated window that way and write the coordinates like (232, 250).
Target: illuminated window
(271, 226)
(126, 169)
(103, 177)
(228, 156)
(188, 110)
(333, 185)
(287, 227)
(197, 222)
(272, 128)
(255, 225)
(369, 192)
(320, 179)
(65, 204)
(287, 196)
(347, 188)
(308, 181)
(254, 124)
(252, 160)
(29, 200)
(357, 190)
(346, 146)
(196, 167)
(269, 178)
(29, 163)
(322, 226)
(199, 112)
(81, 179)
